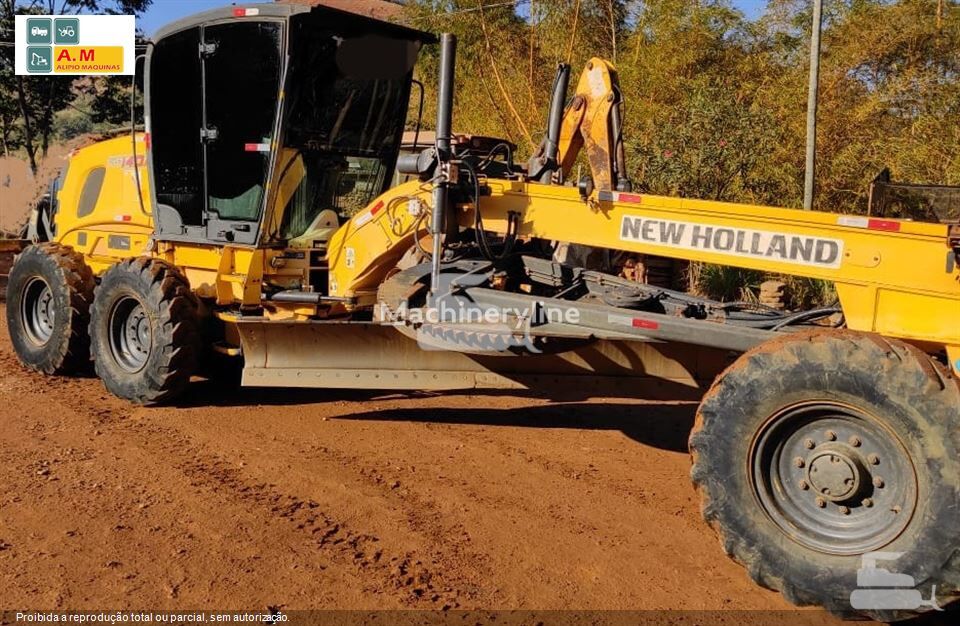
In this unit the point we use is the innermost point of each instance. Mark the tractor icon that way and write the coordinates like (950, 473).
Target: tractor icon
(67, 30)
(881, 589)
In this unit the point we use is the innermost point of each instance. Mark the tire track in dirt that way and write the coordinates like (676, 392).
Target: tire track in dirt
(351, 500)
(414, 578)
(422, 516)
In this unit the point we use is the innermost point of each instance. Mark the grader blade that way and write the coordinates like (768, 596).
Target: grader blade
(363, 355)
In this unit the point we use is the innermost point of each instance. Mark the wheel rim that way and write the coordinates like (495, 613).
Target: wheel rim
(833, 478)
(130, 334)
(38, 311)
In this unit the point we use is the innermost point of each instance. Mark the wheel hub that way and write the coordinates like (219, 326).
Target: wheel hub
(130, 334)
(835, 472)
(38, 311)
(832, 477)
(138, 331)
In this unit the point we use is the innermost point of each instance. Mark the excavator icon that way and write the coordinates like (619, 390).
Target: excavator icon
(879, 588)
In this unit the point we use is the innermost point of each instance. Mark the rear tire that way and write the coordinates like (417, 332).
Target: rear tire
(48, 306)
(812, 450)
(144, 327)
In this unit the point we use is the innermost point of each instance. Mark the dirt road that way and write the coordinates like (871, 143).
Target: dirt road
(333, 499)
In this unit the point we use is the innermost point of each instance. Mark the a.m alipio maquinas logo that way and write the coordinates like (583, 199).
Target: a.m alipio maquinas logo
(75, 45)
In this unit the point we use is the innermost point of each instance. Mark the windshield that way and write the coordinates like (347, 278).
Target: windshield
(313, 180)
(346, 107)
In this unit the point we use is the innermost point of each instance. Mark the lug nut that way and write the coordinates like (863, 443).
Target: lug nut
(804, 485)
(878, 482)
(844, 510)
(831, 436)
(798, 462)
(873, 459)
(821, 502)
(867, 502)
(809, 444)
(854, 441)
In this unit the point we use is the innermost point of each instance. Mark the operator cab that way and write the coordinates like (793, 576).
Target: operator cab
(264, 118)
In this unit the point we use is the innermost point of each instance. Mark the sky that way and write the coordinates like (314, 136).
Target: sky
(162, 12)
(165, 11)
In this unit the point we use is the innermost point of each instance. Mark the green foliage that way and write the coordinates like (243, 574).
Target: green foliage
(716, 104)
(80, 116)
(724, 283)
(709, 148)
(110, 100)
(71, 123)
(35, 110)
(805, 293)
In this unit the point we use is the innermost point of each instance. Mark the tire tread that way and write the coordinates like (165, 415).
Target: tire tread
(72, 352)
(178, 333)
(895, 355)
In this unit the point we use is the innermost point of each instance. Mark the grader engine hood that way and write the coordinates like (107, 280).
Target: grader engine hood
(261, 117)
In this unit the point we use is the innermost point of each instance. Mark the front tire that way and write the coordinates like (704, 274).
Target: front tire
(144, 329)
(811, 451)
(48, 306)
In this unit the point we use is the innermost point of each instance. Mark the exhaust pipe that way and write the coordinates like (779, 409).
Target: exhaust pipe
(557, 102)
(545, 162)
(441, 189)
(622, 183)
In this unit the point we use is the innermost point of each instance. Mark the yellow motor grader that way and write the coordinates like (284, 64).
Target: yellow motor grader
(253, 220)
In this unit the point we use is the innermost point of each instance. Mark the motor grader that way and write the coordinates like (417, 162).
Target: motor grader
(253, 220)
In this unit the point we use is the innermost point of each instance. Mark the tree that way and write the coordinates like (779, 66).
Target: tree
(8, 100)
(40, 97)
(715, 103)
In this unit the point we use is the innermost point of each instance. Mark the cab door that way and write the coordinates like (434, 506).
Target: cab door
(241, 78)
(174, 119)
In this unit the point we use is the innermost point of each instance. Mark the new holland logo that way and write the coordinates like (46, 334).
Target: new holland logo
(740, 242)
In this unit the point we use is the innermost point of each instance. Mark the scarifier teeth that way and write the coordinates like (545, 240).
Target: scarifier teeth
(472, 340)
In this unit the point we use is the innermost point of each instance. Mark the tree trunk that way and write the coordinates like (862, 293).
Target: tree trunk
(4, 135)
(27, 124)
(47, 120)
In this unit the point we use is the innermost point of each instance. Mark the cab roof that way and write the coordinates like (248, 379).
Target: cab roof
(286, 11)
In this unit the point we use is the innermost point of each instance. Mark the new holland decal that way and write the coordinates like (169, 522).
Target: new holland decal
(741, 242)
